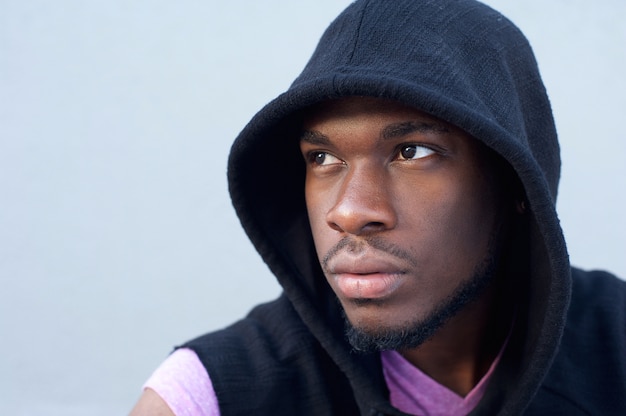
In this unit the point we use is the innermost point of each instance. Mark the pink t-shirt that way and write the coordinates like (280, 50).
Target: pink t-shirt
(183, 383)
(413, 392)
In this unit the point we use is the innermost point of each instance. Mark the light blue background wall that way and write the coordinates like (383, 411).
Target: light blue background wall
(117, 238)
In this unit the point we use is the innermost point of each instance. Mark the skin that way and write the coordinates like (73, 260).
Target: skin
(402, 208)
(151, 404)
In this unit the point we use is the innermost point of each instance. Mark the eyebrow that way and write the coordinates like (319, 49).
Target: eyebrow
(314, 137)
(390, 132)
(398, 130)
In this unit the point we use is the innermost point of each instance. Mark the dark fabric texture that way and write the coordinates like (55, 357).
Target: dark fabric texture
(588, 376)
(466, 64)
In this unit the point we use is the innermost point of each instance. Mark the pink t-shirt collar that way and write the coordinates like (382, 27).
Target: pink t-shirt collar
(415, 393)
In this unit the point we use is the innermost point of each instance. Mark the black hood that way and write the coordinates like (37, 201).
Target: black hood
(461, 62)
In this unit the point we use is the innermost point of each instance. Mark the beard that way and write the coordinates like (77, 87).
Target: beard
(414, 334)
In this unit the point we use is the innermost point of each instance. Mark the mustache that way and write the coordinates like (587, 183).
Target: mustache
(352, 245)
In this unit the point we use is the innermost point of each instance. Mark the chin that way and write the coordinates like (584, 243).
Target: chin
(371, 338)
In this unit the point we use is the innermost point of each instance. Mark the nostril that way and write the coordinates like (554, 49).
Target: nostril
(335, 226)
(374, 225)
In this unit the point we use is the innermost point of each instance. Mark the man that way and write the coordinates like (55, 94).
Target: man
(403, 192)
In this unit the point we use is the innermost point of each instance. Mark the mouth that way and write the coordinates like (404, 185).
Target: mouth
(367, 286)
(363, 278)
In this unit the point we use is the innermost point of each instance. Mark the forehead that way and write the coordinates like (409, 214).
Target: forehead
(367, 107)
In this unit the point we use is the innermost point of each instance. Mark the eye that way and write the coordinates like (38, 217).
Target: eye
(414, 151)
(323, 159)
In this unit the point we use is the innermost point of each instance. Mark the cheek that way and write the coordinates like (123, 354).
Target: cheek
(451, 224)
(317, 206)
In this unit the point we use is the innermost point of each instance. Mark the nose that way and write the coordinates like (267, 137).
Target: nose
(364, 204)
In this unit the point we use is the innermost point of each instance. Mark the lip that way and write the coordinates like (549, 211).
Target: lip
(366, 278)
(367, 286)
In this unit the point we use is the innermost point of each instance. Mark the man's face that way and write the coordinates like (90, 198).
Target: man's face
(402, 210)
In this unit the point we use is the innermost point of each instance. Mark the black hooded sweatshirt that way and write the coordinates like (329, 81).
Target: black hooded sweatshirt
(466, 64)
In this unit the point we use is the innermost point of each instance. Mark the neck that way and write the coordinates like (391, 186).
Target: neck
(461, 352)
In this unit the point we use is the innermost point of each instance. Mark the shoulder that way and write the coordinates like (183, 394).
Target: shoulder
(179, 386)
(270, 363)
(589, 371)
(597, 311)
(597, 283)
(271, 332)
